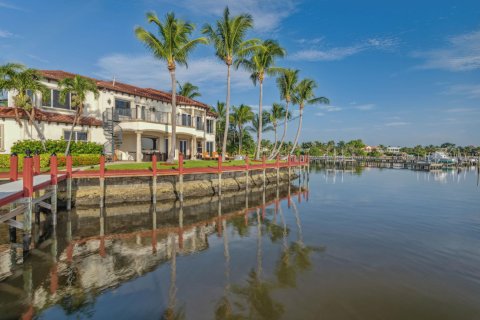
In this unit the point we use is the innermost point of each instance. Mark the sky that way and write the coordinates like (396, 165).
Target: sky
(396, 72)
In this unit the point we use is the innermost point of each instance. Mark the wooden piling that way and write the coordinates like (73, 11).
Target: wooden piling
(102, 181)
(247, 178)
(264, 166)
(36, 163)
(154, 178)
(277, 165)
(28, 197)
(180, 177)
(54, 186)
(220, 175)
(69, 181)
(13, 167)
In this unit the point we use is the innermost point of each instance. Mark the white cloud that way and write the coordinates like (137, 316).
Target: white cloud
(462, 53)
(319, 114)
(144, 71)
(5, 34)
(267, 14)
(396, 124)
(338, 53)
(329, 108)
(460, 110)
(8, 6)
(471, 91)
(365, 107)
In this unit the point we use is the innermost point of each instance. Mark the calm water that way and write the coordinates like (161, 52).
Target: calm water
(372, 244)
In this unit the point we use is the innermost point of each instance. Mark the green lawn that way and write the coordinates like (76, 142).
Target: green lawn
(187, 164)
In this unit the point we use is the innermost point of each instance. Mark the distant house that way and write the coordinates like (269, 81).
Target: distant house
(393, 149)
(369, 149)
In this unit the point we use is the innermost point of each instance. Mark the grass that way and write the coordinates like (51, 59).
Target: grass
(187, 164)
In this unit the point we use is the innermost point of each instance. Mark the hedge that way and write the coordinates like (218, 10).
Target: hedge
(57, 146)
(77, 160)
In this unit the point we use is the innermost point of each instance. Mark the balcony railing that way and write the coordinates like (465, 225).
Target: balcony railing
(142, 115)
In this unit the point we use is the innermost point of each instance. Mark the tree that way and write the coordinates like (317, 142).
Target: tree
(265, 125)
(304, 94)
(286, 83)
(259, 64)
(240, 116)
(220, 123)
(278, 113)
(25, 83)
(228, 38)
(172, 46)
(78, 87)
(188, 90)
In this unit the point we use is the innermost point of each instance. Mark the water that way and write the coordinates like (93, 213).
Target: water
(368, 244)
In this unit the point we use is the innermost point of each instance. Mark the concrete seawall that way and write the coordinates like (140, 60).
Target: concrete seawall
(86, 191)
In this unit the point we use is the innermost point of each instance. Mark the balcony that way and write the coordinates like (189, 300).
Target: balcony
(141, 115)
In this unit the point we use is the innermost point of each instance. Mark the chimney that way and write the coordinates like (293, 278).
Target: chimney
(113, 81)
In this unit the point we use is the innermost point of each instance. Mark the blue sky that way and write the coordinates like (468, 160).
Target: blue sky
(396, 72)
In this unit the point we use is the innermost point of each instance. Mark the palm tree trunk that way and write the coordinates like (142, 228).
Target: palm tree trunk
(260, 114)
(227, 115)
(275, 133)
(284, 132)
(173, 142)
(31, 118)
(75, 119)
(240, 140)
(298, 130)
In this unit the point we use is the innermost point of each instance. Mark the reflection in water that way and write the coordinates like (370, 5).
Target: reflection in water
(93, 250)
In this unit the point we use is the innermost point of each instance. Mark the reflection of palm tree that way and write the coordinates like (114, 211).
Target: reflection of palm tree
(171, 313)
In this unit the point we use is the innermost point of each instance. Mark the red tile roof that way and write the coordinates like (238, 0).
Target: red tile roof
(129, 89)
(40, 115)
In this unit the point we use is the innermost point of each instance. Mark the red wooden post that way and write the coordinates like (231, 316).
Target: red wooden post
(180, 163)
(28, 176)
(13, 167)
(102, 166)
(68, 163)
(154, 165)
(36, 163)
(288, 161)
(219, 164)
(53, 170)
(247, 162)
(264, 163)
(277, 161)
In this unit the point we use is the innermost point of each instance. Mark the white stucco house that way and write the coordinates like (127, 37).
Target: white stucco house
(132, 122)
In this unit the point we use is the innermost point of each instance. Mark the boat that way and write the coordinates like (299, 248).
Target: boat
(441, 157)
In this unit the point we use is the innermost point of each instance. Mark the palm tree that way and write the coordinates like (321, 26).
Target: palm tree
(277, 113)
(188, 90)
(240, 116)
(220, 123)
(78, 87)
(173, 46)
(260, 63)
(286, 83)
(228, 39)
(265, 125)
(24, 82)
(304, 94)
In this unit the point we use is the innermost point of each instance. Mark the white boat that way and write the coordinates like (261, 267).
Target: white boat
(441, 157)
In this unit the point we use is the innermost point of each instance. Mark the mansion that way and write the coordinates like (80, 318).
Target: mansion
(131, 122)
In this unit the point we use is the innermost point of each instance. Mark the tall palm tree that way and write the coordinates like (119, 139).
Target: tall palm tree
(265, 125)
(173, 46)
(304, 94)
(228, 38)
(286, 83)
(22, 81)
(240, 116)
(261, 63)
(78, 87)
(188, 90)
(220, 123)
(278, 113)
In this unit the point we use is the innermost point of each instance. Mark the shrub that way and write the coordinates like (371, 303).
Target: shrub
(77, 160)
(57, 146)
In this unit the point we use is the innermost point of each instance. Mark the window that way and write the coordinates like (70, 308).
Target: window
(186, 120)
(56, 103)
(1, 138)
(3, 98)
(209, 126)
(183, 147)
(210, 146)
(77, 135)
(123, 107)
(33, 97)
(47, 98)
(199, 147)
